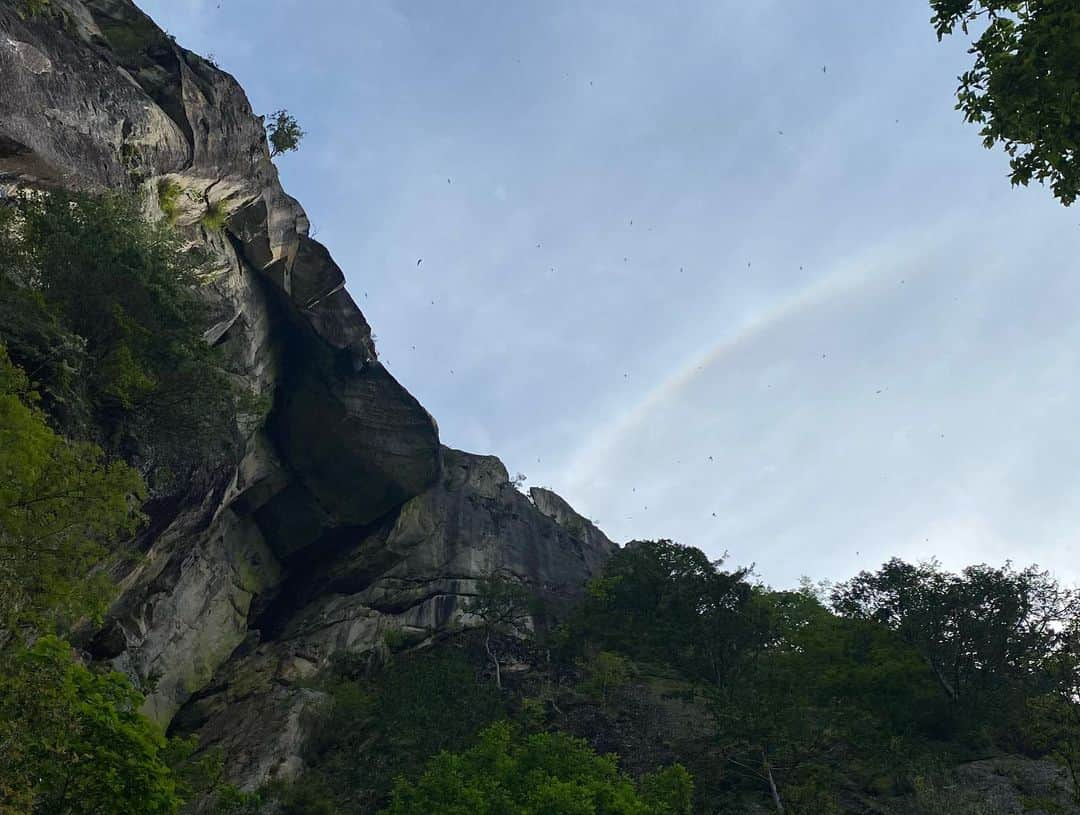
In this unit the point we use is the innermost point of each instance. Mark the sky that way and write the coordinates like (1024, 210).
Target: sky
(731, 273)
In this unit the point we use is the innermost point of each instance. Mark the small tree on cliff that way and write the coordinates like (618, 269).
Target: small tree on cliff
(503, 607)
(284, 132)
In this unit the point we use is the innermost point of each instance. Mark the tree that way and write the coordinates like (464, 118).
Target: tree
(1024, 88)
(127, 289)
(812, 691)
(796, 690)
(982, 631)
(773, 719)
(503, 608)
(1055, 715)
(385, 720)
(605, 672)
(72, 740)
(284, 132)
(660, 600)
(61, 505)
(543, 774)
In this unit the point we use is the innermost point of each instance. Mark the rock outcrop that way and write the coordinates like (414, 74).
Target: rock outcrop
(410, 575)
(342, 518)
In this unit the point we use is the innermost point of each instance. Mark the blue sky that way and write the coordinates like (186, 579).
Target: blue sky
(736, 274)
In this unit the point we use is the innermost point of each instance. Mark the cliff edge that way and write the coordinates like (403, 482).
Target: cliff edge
(342, 517)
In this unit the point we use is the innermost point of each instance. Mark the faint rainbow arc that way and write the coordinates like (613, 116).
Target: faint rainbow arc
(853, 275)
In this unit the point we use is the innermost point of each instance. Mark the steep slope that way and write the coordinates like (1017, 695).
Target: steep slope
(343, 517)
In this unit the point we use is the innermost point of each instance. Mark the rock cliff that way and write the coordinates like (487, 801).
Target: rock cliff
(343, 517)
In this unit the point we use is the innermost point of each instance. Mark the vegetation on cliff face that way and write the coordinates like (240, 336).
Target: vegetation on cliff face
(385, 721)
(61, 503)
(283, 132)
(100, 307)
(72, 739)
(806, 701)
(101, 360)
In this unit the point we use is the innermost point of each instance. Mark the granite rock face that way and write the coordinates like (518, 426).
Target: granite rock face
(412, 573)
(341, 517)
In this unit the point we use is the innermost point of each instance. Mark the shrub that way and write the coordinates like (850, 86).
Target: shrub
(388, 725)
(169, 193)
(605, 672)
(215, 216)
(60, 504)
(93, 269)
(36, 8)
(540, 774)
(74, 741)
(284, 133)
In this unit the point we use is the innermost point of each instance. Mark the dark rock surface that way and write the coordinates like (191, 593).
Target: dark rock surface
(411, 574)
(342, 518)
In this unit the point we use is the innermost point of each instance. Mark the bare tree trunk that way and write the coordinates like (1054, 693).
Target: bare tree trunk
(950, 689)
(1071, 765)
(494, 660)
(772, 782)
(555, 696)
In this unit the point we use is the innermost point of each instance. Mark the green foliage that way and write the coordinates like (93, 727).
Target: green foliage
(169, 193)
(776, 721)
(543, 774)
(386, 725)
(200, 775)
(794, 687)
(132, 37)
(503, 607)
(605, 672)
(532, 712)
(1054, 723)
(35, 8)
(129, 156)
(215, 216)
(1024, 88)
(61, 504)
(811, 705)
(664, 602)
(284, 132)
(122, 294)
(812, 695)
(669, 790)
(395, 639)
(72, 740)
(35, 337)
(982, 632)
(1055, 729)
(231, 800)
